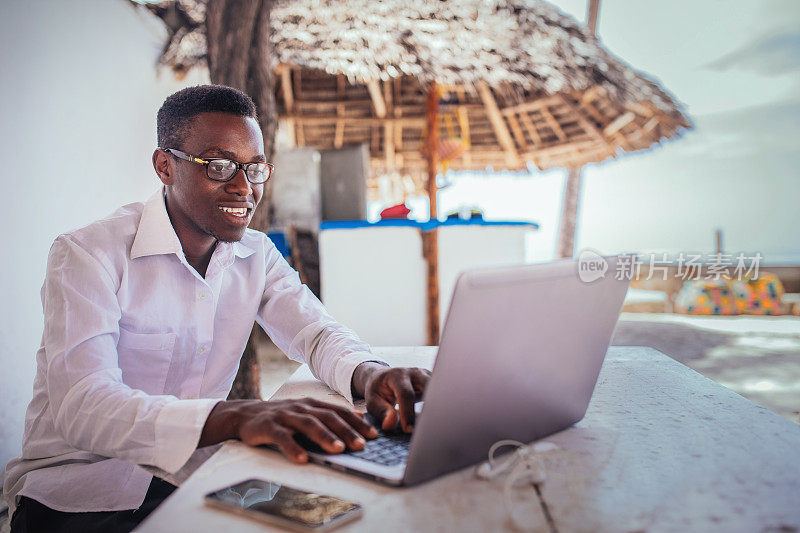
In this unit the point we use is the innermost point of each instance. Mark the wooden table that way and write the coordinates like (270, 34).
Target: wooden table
(662, 448)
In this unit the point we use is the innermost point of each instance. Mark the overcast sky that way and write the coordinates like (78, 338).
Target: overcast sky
(735, 64)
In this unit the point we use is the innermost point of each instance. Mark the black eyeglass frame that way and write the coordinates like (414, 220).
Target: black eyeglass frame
(206, 162)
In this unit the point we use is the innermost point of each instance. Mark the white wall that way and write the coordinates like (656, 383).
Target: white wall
(373, 281)
(79, 97)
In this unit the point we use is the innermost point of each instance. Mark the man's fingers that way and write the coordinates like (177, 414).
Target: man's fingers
(404, 392)
(270, 433)
(340, 427)
(355, 420)
(419, 379)
(315, 430)
(383, 410)
(286, 443)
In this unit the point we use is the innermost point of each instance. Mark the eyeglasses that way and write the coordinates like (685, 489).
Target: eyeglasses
(225, 169)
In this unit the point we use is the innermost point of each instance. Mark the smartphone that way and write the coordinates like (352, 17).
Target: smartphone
(277, 504)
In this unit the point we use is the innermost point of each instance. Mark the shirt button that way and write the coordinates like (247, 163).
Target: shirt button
(203, 295)
(202, 349)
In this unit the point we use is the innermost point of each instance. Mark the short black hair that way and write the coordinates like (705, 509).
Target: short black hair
(176, 113)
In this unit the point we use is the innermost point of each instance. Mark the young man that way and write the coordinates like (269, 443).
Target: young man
(147, 313)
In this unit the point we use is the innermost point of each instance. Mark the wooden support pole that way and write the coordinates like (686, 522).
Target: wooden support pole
(594, 9)
(569, 213)
(430, 239)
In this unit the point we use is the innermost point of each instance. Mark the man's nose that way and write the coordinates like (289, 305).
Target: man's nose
(238, 184)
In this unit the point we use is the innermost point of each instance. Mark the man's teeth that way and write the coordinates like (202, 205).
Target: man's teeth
(236, 211)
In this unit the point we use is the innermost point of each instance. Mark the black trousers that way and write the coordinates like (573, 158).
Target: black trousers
(33, 517)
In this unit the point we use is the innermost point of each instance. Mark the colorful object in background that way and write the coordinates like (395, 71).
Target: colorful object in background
(706, 297)
(759, 296)
(396, 211)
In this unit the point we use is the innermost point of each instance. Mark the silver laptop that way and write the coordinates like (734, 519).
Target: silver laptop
(519, 357)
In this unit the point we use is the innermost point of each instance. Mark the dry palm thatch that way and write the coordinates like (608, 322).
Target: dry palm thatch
(521, 81)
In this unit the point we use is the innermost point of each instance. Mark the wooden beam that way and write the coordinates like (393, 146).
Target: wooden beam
(592, 110)
(618, 123)
(531, 129)
(650, 125)
(319, 120)
(516, 130)
(564, 148)
(286, 88)
(498, 124)
(288, 102)
(338, 136)
(378, 103)
(398, 134)
(527, 107)
(640, 109)
(553, 123)
(297, 89)
(463, 115)
(589, 127)
(592, 92)
(388, 145)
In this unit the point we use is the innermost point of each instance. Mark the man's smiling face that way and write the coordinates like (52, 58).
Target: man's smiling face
(201, 209)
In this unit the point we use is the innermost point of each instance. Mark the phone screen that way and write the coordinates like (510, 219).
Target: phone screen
(273, 499)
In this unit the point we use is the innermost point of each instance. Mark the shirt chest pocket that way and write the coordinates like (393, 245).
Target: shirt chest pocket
(144, 359)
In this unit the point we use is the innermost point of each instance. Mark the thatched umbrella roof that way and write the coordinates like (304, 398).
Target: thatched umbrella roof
(529, 83)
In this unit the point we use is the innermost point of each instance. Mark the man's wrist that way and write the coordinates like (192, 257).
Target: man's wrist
(362, 375)
(222, 423)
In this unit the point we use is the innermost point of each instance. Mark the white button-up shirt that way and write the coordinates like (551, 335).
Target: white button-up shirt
(138, 348)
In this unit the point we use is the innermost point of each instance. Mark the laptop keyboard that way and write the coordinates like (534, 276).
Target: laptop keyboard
(389, 448)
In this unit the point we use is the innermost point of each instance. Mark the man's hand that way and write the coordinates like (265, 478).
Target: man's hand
(255, 422)
(385, 387)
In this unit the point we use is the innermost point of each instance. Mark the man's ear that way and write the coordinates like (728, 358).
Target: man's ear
(162, 163)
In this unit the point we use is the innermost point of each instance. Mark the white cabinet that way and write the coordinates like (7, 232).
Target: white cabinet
(373, 276)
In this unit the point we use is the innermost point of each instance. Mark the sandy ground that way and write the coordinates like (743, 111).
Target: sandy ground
(757, 357)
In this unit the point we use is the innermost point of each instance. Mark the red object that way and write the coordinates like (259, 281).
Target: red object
(396, 211)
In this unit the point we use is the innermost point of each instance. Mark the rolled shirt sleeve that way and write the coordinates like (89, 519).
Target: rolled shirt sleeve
(299, 324)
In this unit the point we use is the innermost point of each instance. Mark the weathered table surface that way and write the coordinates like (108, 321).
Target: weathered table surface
(661, 448)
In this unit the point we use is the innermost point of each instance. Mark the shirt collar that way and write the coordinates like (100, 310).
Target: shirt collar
(241, 250)
(156, 236)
